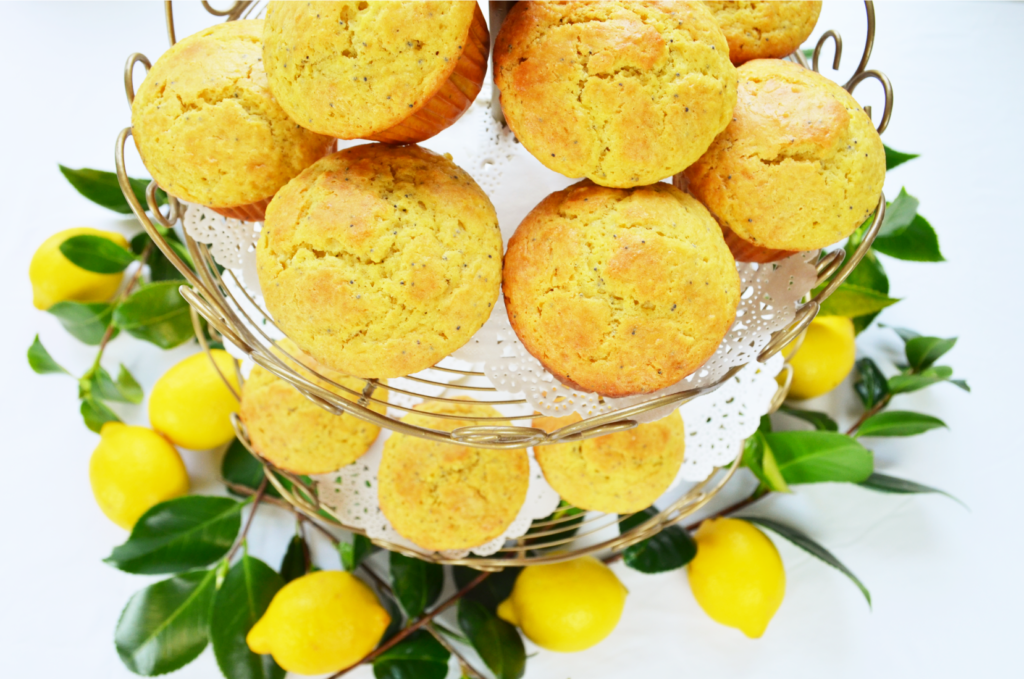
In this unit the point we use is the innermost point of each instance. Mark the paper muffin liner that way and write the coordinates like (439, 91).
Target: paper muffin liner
(253, 212)
(743, 251)
(455, 96)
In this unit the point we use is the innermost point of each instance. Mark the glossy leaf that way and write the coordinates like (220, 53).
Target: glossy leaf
(922, 352)
(853, 300)
(869, 273)
(243, 598)
(156, 313)
(86, 321)
(41, 362)
(241, 468)
(962, 384)
(180, 534)
(820, 456)
(898, 423)
(895, 158)
(668, 550)
(353, 553)
(95, 414)
(898, 215)
(891, 484)
(96, 254)
(125, 389)
(759, 458)
(295, 563)
(492, 591)
(811, 547)
(394, 611)
(418, 656)
(416, 583)
(166, 625)
(870, 384)
(102, 188)
(918, 242)
(902, 384)
(569, 518)
(498, 642)
(821, 421)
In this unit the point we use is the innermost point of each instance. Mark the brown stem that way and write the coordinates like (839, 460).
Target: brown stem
(248, 522)
(868, 413)
(108, 333)
(415, 626)
(467, 669)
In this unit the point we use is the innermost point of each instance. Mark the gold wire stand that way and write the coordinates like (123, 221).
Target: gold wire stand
(211, 297)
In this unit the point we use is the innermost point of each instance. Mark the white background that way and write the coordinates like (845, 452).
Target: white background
(946, 581)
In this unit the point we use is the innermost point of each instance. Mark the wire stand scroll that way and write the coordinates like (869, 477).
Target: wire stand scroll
(222, 301)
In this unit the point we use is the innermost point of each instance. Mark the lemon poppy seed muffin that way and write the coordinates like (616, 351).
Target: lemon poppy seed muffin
(379, 261)
(209, 130)
(618, 473)
(764, 30)
(448, 496)
(397, 72)
(623, 93)
(620, 291)
(294, 433)
(800, 166)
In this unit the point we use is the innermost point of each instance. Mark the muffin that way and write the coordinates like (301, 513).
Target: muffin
(623, 93)
(397, 72)
(297, 435)
(764, 30)
(798, 168)
(448, 496)
(379, 261)
(619, 473)
(620, 291)
(209, 130)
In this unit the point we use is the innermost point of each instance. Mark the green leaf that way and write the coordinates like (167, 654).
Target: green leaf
(160, 268)
(101, 385)
(898, 215)
(296, 559)
(870, 384)
(819, 456)
(416, 583)
(166, 626)
(156, 313)
(962, 384)
(180, 534)
(243, 598)
(418, 656)
(102, 188)
(394, 611)
(811, 547)
(895, 158)
(898, 423)
(497, 642)
(129, 388)
(759, 458)
(765, 425)
(40, 361)
(241, 468)
(853, 300)
(905, 334)
(95, 414)
(868, 274)
(86, 321)
(922, 352)
(891, 484)
(821, 421)
(96, 254)
(492, 591)
(667, 550)
(902, 384)
(918, 242)
(353, 553)
(569, 518)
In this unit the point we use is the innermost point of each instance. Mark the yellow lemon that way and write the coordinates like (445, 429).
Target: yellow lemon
(55, 279)
(322, 622)
(567, 606)
(737, 575)
(132, 469)
(824, 359)
(192, 406)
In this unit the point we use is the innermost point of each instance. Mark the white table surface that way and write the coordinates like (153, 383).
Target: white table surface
(946, 581)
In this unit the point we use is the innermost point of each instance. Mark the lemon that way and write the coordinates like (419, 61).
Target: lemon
(567, 606)
(192, 406)
(737, 575)
(322, 622)
(55, 279)
(824, 359)
(132, 469)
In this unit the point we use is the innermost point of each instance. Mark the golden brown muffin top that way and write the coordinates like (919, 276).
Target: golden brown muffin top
(764, 30)
(624, 93)
(208, 128)
(620, 291)
(380, 260)
(445, 495)
(800, 166)
(350, 69)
